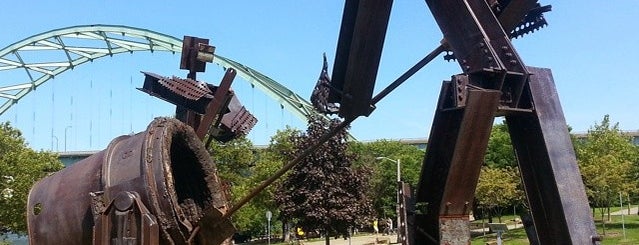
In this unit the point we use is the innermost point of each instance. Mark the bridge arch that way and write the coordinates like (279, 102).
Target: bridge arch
(76, 45)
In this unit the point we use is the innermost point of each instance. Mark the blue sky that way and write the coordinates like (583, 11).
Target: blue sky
(591, 46)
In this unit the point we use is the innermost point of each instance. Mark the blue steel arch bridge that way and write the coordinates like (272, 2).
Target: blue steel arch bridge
(28, 64)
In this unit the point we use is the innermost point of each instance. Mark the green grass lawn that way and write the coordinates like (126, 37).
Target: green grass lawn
(614, 233)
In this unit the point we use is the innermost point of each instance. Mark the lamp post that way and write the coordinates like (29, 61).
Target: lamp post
(399, 179)
(56, 143)
(65, 137)
(269, 215)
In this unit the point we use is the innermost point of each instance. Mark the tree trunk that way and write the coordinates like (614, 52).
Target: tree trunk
(608, 211)
(603, 221)
(327, 238)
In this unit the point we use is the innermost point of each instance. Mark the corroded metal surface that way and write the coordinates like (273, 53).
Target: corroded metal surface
(187, 93)
(555, 191)
(478, 32)
(224, 118)
(167, 166)
(358, 54)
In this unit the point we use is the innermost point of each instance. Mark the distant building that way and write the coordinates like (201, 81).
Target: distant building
(633, 134)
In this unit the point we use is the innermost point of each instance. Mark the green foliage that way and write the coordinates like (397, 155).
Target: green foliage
(499, 184)
(243, 168)
(499, 153)
(235, 162)
(498, 188)
(234, 159)
(384, 180)
(607, 160)
(20, 168)
(615, 235)
(324, 191)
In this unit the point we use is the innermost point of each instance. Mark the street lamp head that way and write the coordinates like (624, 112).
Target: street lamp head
(385, 158)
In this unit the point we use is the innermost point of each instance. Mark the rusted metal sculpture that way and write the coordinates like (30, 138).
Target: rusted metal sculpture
(224, 118)
(155, 187)
(160, 181)
(158, 186)
(495, 82)
(210, 110)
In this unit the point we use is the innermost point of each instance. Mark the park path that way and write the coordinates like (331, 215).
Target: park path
(625, 211)
(358, 240)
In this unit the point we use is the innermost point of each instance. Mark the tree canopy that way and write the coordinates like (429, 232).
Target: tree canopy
(383, 184)
(499, 153)
(324, 192)
(498, 188)
(607, 160)
(20, 168)
(242, 167)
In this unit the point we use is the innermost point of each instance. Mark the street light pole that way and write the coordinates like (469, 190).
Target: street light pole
(399, 185)
(56, 143)
(65, 138)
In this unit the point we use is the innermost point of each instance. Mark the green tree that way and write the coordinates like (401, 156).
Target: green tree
(281, 150)
(499, 175)
(606, 160)
(497, 189)
(234, 161)
(383, 185)
(324, 192)
(243, 167)
(20, 168)
(499, 153)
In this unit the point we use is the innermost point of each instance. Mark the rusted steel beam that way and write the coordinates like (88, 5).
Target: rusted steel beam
(549, 169)
(458, 141)
(187, 93)
(238, 121)
(358, 54)
(511, 15)
(407, 215)
(217, 105)
(229, 118)
(191, 48)
(481, 46)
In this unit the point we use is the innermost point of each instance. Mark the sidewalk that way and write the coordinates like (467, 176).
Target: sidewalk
(487, 230)
(358, 240)
(625, 211)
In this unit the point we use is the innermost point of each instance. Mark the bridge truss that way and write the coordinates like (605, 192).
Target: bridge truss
(65, 48)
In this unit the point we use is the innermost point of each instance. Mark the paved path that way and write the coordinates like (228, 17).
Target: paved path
(358, 240)
(625, 211)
